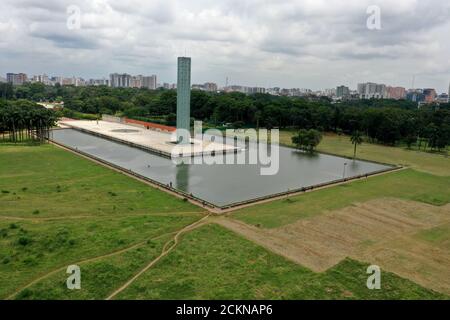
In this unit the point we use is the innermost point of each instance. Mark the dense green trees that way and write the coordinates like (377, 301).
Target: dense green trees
(382, 121)
(6, 91)
(307, 140)
(24, 120)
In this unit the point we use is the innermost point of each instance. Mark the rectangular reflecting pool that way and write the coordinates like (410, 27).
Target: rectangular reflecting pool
(222, 185)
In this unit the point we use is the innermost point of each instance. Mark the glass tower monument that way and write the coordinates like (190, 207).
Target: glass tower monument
(184, 100)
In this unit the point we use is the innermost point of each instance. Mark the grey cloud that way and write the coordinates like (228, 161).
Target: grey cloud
(231, 38)
(63, 37)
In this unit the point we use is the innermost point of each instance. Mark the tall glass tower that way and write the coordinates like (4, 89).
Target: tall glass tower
(184, 100)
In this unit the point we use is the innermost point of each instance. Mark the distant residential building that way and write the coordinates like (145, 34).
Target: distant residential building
(98, 82)
(16, 79)
(210, 87)
(415, 95)
(56, 80)
(117, 80)
(67, 82)
(273, 91)
(443, 98)
(342, 92)
(371, 90)
(396, 93)
(331, 92)
(430, 95)
(74, 81)
(197, 87)
(42, 78)
(253, 90)
(2, 79)
(235, 88)
(136, 82)
(79, 82)
(149, 82)
(245, 89)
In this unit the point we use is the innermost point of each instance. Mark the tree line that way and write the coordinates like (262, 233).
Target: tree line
(23, 120)
(381, 121)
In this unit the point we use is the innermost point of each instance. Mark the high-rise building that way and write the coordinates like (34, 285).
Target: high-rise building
(16, 79)
(67, 82)
(42, 78)
(99, 82)
(372, 91)
(253, 90)
(210, 87)
(415, 95)
(274, 91)
(342, 91)
(396, 93)
(136, 81)
(430, 95)
(149, 82)
(117, 80)
(183, 100)
(244, 89)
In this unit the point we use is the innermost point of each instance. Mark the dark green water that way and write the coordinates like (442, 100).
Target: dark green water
(221, 184)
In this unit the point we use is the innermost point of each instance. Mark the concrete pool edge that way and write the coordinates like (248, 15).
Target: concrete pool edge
(230, 207)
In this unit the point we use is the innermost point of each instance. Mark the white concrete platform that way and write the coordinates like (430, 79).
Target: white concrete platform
(153, 141)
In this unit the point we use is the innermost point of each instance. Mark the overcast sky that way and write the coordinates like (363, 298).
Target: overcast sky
(291, 43)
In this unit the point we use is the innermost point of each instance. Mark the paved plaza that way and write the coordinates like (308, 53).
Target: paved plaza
(152, 140)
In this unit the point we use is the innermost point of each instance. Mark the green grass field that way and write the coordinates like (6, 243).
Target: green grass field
(99, 278)
(46, 181)
(436, 164)
(57, 209)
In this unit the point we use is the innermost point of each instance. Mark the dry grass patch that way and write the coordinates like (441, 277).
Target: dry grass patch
(379, 231)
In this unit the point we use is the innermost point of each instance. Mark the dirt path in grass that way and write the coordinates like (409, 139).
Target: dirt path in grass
(114, 253)
(382, 231)
(168, 247)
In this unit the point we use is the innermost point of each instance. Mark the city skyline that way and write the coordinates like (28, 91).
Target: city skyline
(310, 44)
(151, 82)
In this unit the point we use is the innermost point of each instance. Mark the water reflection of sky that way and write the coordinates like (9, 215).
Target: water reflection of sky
(222, 184)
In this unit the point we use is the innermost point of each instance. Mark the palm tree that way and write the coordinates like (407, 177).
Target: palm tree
(23, 121)
(356, 139)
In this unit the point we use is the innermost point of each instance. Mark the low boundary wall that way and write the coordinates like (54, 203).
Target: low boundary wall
(109, 118)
